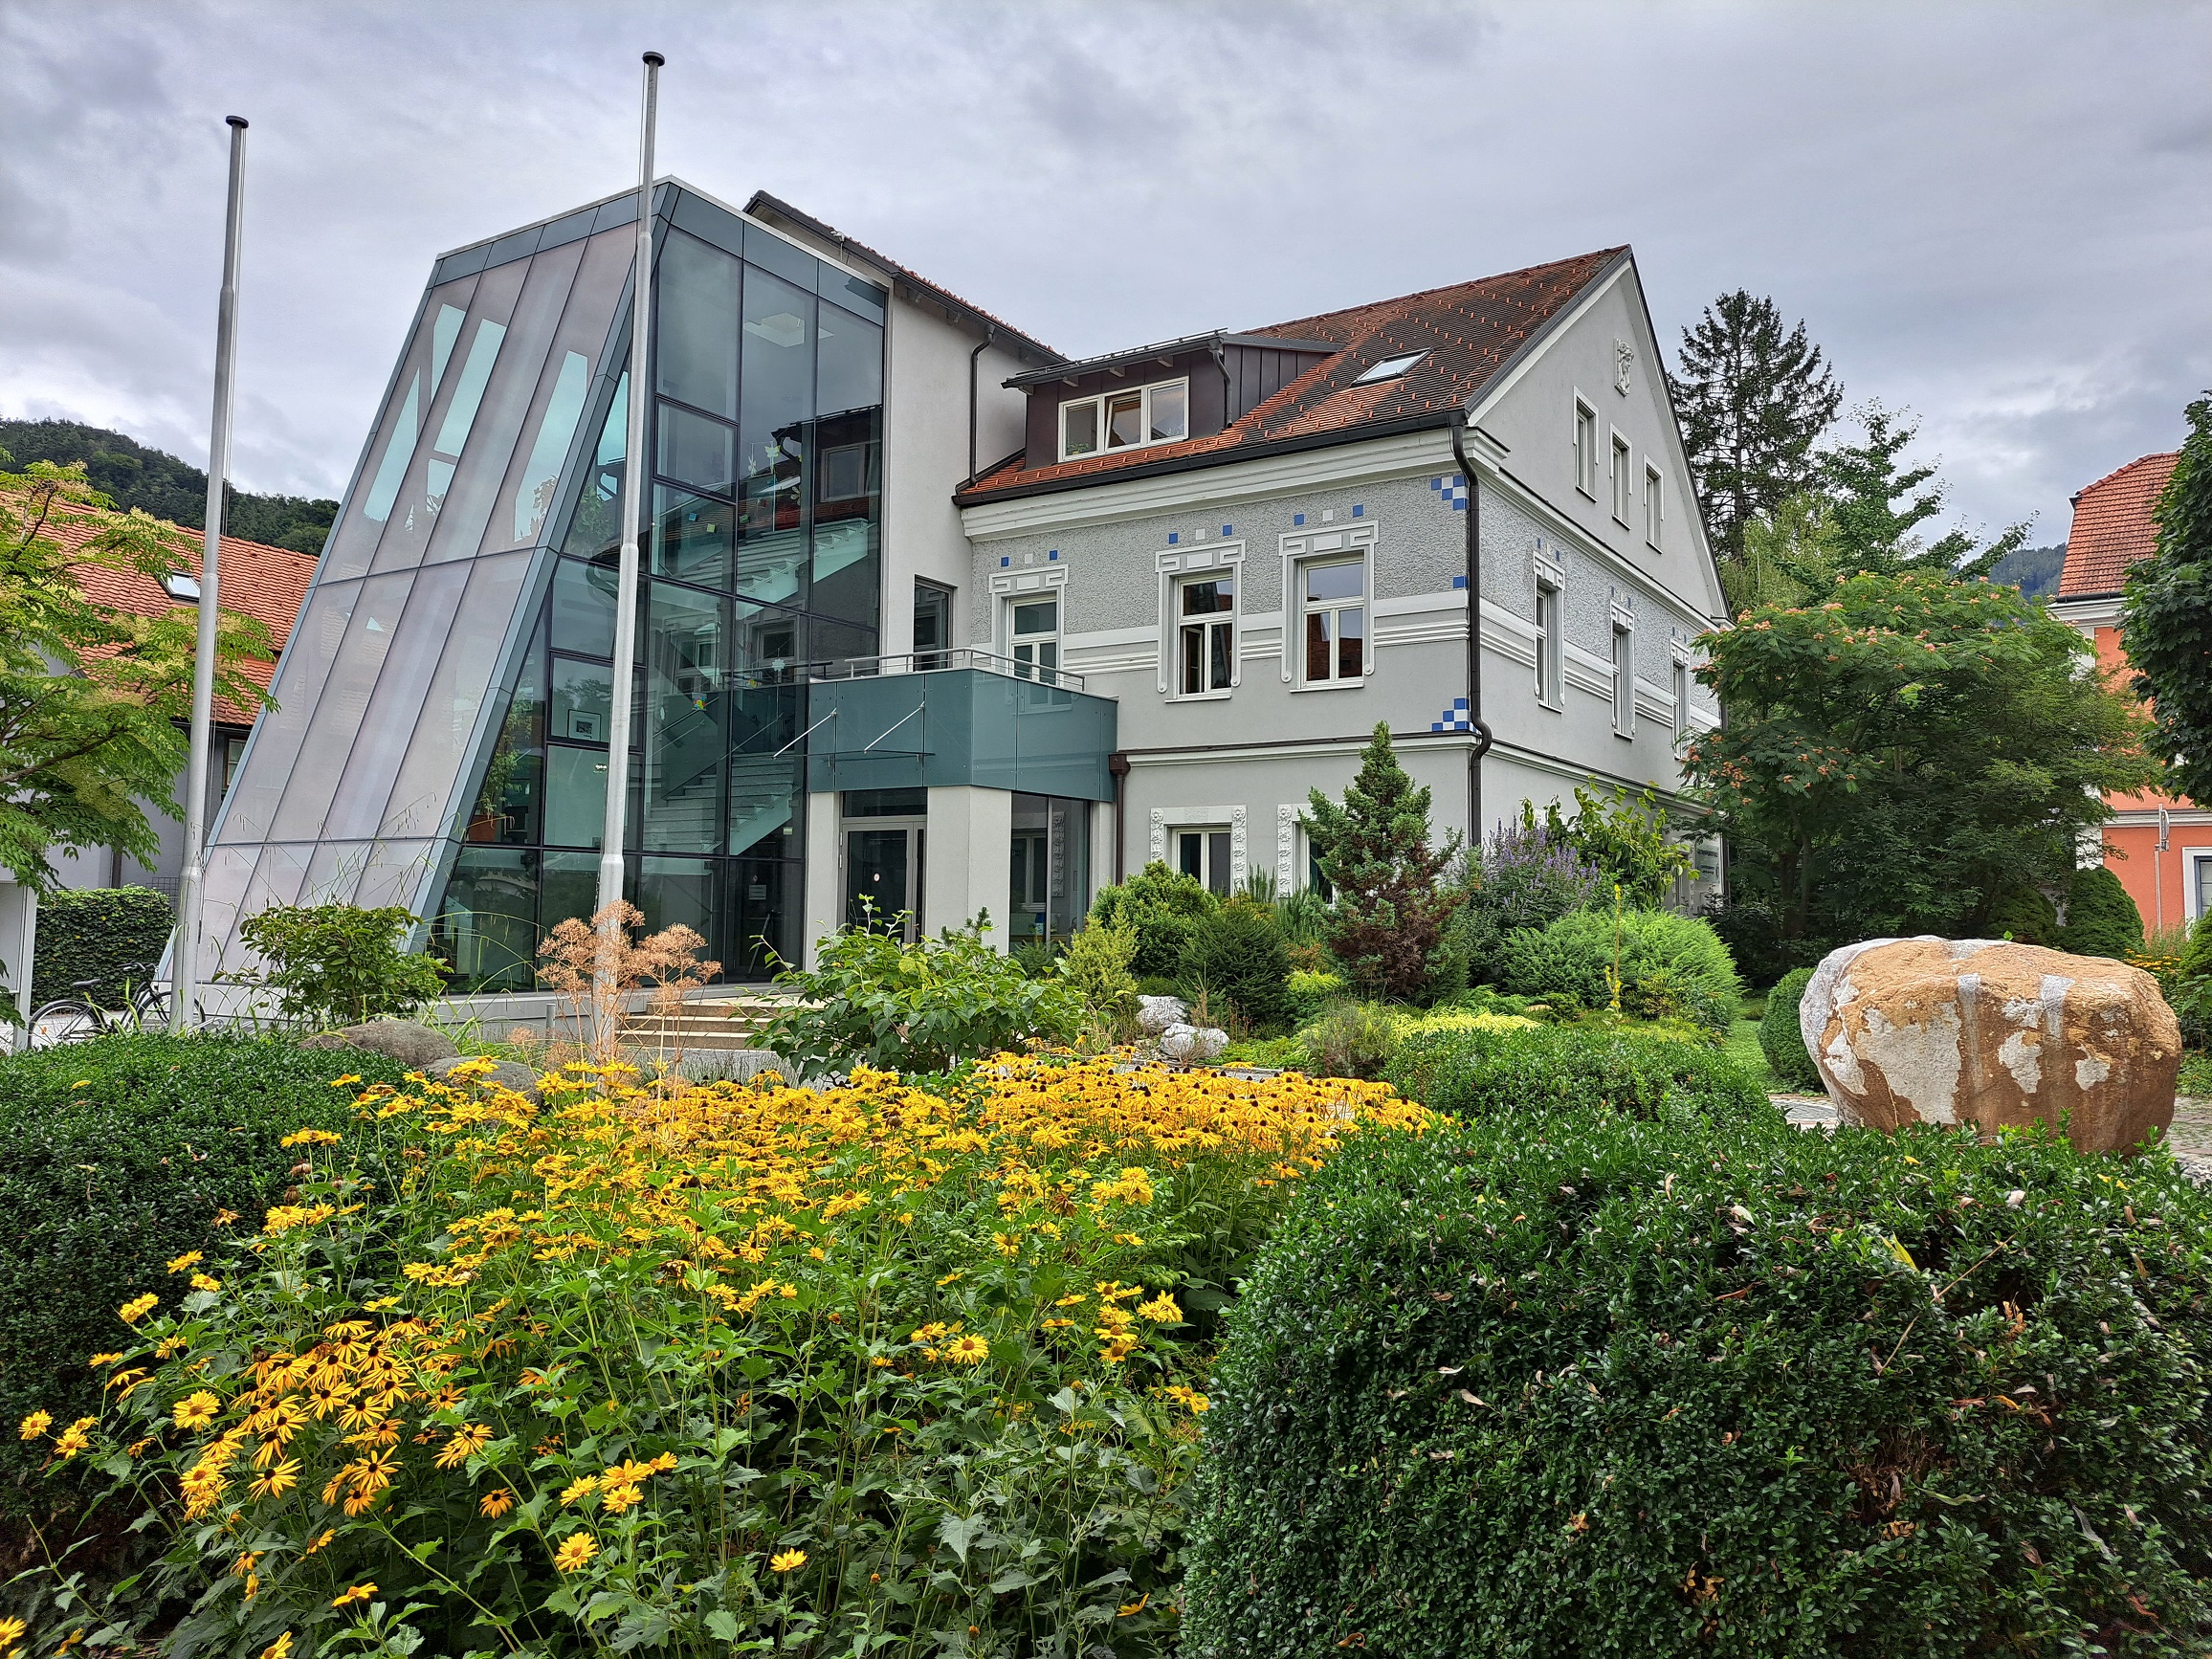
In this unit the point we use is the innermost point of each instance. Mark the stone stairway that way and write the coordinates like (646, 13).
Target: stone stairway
(716, 1023)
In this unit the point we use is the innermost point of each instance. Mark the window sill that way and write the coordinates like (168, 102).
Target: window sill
(1590, 496)
(1212, 696)
(1333, 685)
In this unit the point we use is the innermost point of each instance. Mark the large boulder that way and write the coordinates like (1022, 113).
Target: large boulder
(413, 1045)
(507, 1074)
(1989, 1033)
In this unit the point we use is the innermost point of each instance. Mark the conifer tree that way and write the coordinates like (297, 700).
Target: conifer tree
(1389, 912)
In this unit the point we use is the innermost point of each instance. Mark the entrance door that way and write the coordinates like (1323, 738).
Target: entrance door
(883, 879)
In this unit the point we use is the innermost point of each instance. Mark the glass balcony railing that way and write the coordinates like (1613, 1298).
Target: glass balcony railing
(939, 661)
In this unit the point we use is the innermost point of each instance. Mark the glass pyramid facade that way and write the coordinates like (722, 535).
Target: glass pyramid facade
(440, 734)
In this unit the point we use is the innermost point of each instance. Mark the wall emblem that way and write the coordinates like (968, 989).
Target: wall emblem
(1624, 366)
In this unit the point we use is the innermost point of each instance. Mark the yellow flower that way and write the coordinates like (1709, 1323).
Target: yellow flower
(202, 1282)
(464, 1445)
(75, 1438)
(1161, 1310)
(277, 1481)
(496, 1504)
(196, 1410)
(138, 1308)
(359, 1593)
(11, 1632)
(317, 1544)
(578, 1491)
(626, 1496)
(787, 1560)
(280, 1648)
(37, 1423)
(575, 1551)
(191, 1258)
(99, 1359)
(968, 1350)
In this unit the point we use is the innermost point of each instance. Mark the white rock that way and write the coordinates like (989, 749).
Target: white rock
(1190, 1044)
(1157, 1013)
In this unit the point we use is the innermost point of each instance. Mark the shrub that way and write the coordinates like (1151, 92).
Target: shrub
(122, 1152)
(1095, 966)
(876, 1000)
(1609, 1388)
(1311, 990)
(2101, 920)
(1781, 1037)
(338, 964)
(1625, 839)
(1641, 1073)
(752, 1367)
(2021, 914)
(1164, 907)
(1571, 957)
(1391, 911)
(1238, 953)
(101, 932)
(1752, 929)
(1357, 1039)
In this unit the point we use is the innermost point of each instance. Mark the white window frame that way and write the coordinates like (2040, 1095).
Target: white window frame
(1295, 634)
(1231, 881)
(1681, 676)
(1655, 505)
(1583, 436)
(1224, 621)
(1549, 610)
(2194, 860)
(1623, 642)
(1057, 598)
(1143, 417)
(1623, 479)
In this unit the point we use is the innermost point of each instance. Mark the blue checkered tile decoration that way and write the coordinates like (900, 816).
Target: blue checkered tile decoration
(1452, 495)
(1455, 718)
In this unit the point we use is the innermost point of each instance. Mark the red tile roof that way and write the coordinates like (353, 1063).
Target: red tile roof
(268, 584)
(2113, 527)
(1468, 330)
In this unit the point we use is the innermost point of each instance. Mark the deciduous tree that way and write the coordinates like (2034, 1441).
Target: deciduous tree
(2166, 619)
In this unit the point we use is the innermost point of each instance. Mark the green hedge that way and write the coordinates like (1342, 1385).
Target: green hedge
(1164, 906)
(1779, 1035)
(1641, 1073)
(119, 1152)
(1597, 1386)
(2101, 920)
(98, 934)
(1670, 965)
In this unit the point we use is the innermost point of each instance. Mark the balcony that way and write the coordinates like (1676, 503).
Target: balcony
(957, 719)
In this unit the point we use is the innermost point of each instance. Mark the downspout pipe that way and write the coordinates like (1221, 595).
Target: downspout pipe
(1482, 735)
(989, 339)
(1117, 768)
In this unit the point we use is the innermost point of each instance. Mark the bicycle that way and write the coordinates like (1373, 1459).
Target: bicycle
(78, 1019)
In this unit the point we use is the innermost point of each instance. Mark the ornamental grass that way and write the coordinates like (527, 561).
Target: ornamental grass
(692, 1369)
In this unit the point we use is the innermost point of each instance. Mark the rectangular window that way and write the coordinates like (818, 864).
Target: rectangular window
(1206, 635)
(1654, 504)
(1126, 420)
(1335, 604)
(1586, 449)
(1681, 702)
(1548, 653)
(932, 625)
(1205, 854)
(1035, 626)
(1624, 683)
(1622, 482)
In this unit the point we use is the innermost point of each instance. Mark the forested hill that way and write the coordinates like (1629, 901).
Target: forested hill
(2033, 571)
(167, 488)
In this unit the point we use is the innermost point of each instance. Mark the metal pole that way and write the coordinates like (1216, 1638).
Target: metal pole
(191, 891)
(614, 831)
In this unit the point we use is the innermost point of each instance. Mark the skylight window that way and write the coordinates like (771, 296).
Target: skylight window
(1390, 367)
(179, 586)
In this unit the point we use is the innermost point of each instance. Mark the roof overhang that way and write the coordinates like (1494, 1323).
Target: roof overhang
(1166, 351)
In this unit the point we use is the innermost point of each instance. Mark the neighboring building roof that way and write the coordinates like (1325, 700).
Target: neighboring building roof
(915, 285)
(1468, 332)
(2113, 527)
(268, 584)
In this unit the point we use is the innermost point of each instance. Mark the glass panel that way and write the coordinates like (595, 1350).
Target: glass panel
(1221, 657)
(1079, 428)
(446, 331)
(583, 607)
(686, 746)
(1351, 644)
(469, 391)
(249, 810)
(763, 247)
(338, 712)
(376, 746)
(583, 701)
(556, 430)
(1193, 647)
(1071, 872)
(1036, 617)
(848, 373)
(694, 449)
(932, 622)
(487, 926)
(1170, 412)
(441, 754)
(398, 451)
(597, 525)
(1318, 645)
(692, 536)
(884, 803)
(509, 806)
(768, 795)
(1029, 872)
(764, 911)
(1202, 598)
(848, 478)
(1217, 861)
(1345, 581)
(682, 892)
(228, 868)
(567, 885)
(876, 876)
(1124, 419)
(575, 796)
(778, 402)
(1190, 853)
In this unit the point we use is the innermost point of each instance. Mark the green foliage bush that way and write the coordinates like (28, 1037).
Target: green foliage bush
(338, 964)
(1350, 1038)
(1569, 960)
(1779, 1035)
(2024, 915)
(1752, 929)
(1608, 1388)
(2101, 920)
(99, 933)
(923, 1007)
(121, 1152)
(1239, 952)
(1095, 964)
(1164, 906)
(1594, 1066)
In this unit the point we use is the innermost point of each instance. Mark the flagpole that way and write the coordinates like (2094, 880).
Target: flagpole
(191, 891)
(632, 500)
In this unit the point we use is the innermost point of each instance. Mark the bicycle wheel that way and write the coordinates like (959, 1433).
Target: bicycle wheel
(149, 1009)
(65, 1021)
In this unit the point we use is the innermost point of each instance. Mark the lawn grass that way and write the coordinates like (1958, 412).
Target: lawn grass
(1742, 1047)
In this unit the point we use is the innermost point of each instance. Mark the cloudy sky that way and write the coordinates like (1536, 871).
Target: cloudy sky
(1997, 215)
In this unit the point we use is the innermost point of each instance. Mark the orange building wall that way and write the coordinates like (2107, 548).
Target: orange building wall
(2159, 882)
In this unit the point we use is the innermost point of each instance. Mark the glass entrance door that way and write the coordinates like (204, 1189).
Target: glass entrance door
(883, 879)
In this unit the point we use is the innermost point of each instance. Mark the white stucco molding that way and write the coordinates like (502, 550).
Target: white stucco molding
(1286, 848)
(1166, 818)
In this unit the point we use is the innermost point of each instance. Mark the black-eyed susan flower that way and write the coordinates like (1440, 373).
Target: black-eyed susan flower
(495, 1504)
(575, 1552)
(196, 1410)
(969, 1350)
(359, 1593)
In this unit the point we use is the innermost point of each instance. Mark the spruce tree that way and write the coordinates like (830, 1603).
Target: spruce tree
(1753, 400)
(2166, 620)
(1389, 912)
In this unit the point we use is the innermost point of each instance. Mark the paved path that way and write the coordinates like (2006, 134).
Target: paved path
(2190, 1137)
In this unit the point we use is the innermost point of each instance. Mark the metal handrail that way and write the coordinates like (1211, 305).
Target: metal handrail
(939, 661)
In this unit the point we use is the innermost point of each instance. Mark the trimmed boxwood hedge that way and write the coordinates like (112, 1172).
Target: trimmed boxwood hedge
(1782, 1038)
(1642, 1072)
(1586, 1386)
(97, 934)
(119, 1153)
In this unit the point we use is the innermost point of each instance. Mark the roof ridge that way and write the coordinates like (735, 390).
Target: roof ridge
(2127, 467)
(1602, 256)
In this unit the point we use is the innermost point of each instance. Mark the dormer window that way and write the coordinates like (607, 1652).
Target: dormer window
(1390, 367)
(1126, 420)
